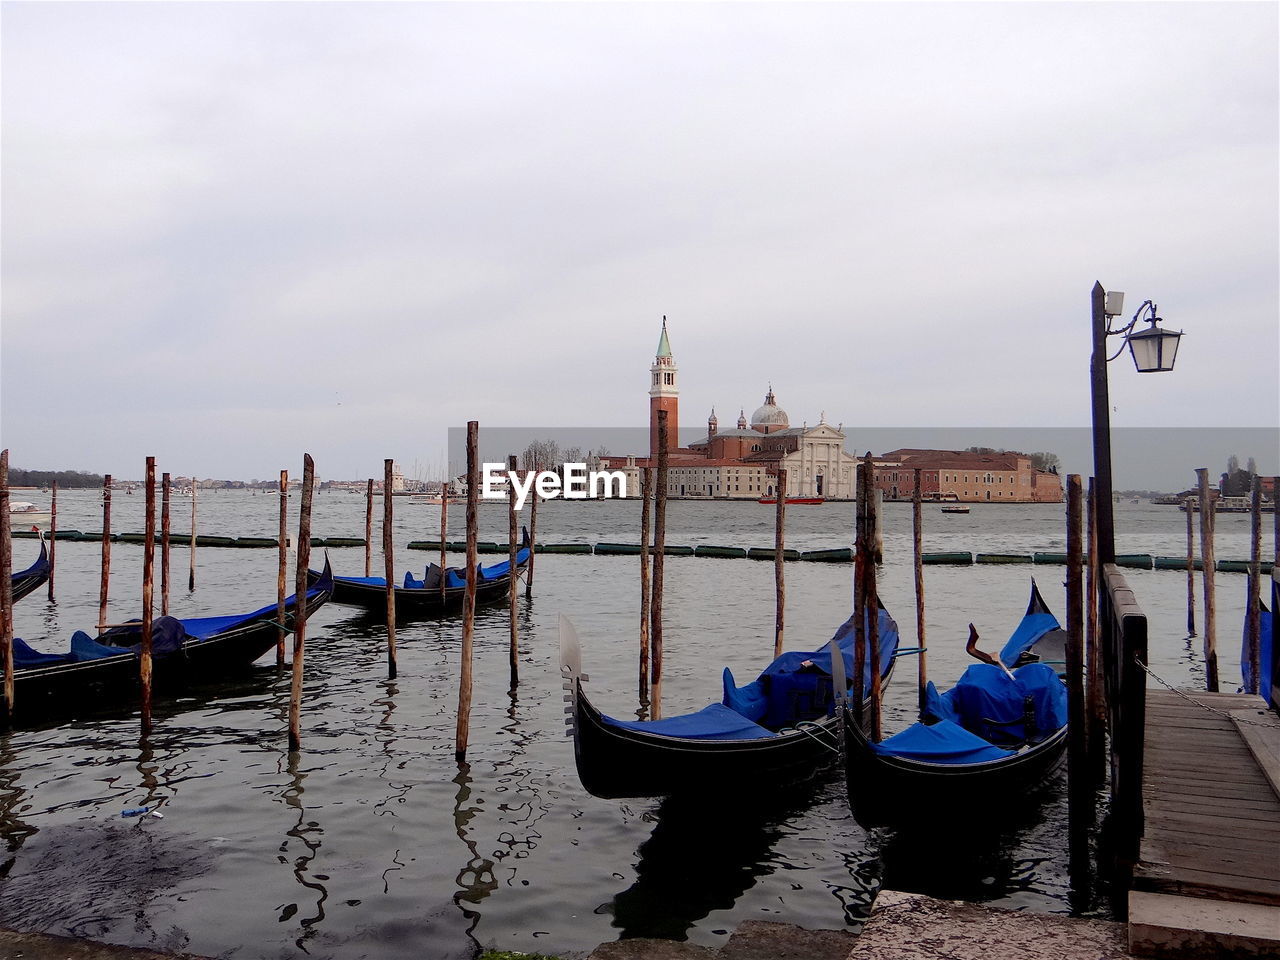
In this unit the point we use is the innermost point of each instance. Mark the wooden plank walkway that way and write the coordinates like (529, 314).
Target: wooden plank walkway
(1212, 816)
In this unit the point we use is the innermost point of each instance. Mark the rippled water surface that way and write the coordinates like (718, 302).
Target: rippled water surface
(373, 841)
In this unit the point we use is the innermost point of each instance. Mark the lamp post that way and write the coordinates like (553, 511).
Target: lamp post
(1153, 351)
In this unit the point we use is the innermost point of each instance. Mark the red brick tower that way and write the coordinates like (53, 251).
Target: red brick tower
(664, 394)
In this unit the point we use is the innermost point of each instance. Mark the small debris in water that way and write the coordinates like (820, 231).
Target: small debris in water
(134, 811)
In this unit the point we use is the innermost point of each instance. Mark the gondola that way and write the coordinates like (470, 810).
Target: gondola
(774, 732)
(988, 741)
(423, 597)
(102, 672)
(1268, 654)
(31, 579)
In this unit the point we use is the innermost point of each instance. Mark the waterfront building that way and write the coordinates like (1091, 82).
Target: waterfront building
(743, 462)
(964, 477)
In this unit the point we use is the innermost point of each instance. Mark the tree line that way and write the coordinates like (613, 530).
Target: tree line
(67, 479)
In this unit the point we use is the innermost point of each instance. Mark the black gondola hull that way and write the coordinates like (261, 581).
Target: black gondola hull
(66, 690)
(27, 581)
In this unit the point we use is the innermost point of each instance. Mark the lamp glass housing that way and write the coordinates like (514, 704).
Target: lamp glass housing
(1154, 349)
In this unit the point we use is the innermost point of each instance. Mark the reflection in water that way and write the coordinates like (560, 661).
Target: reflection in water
(13, 799)
(701, 857)
(475, 880)
(308, 833)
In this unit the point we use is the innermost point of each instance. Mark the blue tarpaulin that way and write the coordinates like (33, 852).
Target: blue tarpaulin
(942, 742)
(714, 722)
(1269, 667)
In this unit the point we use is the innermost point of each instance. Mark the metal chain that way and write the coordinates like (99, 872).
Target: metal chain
(1204, 706)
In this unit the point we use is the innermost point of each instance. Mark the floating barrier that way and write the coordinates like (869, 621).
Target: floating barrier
(1241, 566)
(616, 549)
(956, 558)
(838, 555)
(337, 542)
(212, 541)
(1139, 561)
(771, 553)
(563, 548)
(1176, 563)
(1002, 558)
(1049, 558)
(256, 542)
(729, 553)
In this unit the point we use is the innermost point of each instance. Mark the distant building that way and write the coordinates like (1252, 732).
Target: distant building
(740, 463)
(957, 475)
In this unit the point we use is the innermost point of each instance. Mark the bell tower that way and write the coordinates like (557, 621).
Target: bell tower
(664, 394)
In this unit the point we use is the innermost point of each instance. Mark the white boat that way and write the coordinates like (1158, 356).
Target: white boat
(23, 513)
(956, 508)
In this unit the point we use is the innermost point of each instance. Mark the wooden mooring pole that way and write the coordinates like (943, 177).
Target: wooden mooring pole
(917, 540)
(513, 584)
(469, 597)
(191, 580)
(779, 581)
(871, 599)
(533, 543)
(389, 565)
(105, 579)
(1252, 615)
(368, 528)
(300, 609)
(165, 489)
(1095, 690)
(444, 533)
(53, 536)
(1206, 574)
(282, 567)
(857, 696)
(1079, 781)
(1188, 505)
(659, 564)
(6, 588)
(148, 574)
(646, 501)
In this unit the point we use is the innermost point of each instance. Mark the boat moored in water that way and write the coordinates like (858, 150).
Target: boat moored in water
(33, 577)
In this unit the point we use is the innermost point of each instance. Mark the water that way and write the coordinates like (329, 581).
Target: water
(374, 842)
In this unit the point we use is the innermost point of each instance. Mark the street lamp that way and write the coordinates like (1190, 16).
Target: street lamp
(1153, 351)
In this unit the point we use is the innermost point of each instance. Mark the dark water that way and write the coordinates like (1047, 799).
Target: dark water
(374, 842)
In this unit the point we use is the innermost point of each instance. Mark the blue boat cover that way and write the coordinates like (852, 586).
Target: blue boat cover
(455, 578)
(1264, 654)
(714, 722)
(941, 742)
(24, 657)
(1031, 629)
(201, 628)
(797, 685)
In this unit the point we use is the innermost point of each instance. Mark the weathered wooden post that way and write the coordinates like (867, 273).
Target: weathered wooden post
(659, 564)
(105, 581)
(917, 539)
(1253, 619)
(646, 499)
(779, 581)
(165, 485)
(368, 528)
(282, 566)
(871, 601)
(533, 542)
(6, 587)
(389, 565)
(300, 609)
(191, 580)
(148, 573)
(444, 530)
(53, 535)
(1206, 574)
(469, 597)
(512, 580)
(1095, 689)
(858, 695)
(1187, 505)
(1079, 783)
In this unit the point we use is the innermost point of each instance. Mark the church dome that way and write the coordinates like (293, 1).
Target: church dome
(770, 415)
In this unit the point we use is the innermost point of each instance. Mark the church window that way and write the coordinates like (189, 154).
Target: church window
(670, 378)
(655, 379)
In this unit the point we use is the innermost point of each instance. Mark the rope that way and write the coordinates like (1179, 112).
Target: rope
(1204, 706)
(804, 727)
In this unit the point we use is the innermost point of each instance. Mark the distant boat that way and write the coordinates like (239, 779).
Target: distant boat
(1230, 505)
(794, 500)
(956, 508)
(20, 511)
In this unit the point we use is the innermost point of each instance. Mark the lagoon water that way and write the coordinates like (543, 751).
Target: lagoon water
(373, 842)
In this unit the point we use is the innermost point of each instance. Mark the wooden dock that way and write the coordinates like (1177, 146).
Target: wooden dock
(1207, 882)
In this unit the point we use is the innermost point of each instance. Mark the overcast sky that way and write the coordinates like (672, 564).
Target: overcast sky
(235, 232)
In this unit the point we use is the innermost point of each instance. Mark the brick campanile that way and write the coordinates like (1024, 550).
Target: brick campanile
(664, 394)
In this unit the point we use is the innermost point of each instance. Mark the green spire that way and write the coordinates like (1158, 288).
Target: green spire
(664, 345)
